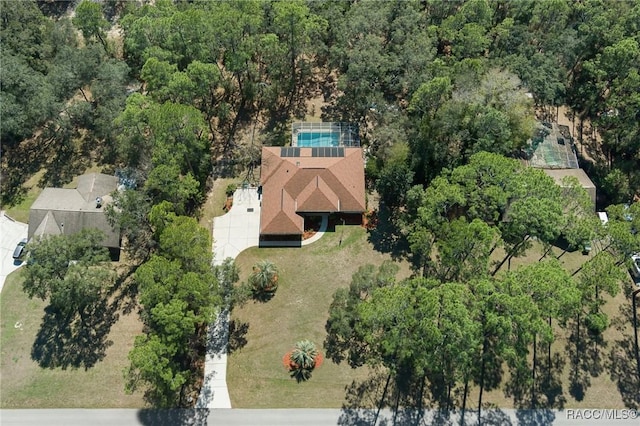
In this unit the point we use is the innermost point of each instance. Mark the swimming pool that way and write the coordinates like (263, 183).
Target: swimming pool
(313, 139)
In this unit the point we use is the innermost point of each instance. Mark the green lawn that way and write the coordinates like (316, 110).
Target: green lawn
(214, 203)
(308, 278)
(20, 211)
(27, 385)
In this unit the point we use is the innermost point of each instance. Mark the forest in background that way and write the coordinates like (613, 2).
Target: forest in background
(432, 82)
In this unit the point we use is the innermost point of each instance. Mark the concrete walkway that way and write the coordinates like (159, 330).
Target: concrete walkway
(320, 233)
(11, 232)
(234, 232)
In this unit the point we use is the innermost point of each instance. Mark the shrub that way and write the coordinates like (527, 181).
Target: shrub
(231, 188)
(302, 360)
(264, 280)
(597, 322)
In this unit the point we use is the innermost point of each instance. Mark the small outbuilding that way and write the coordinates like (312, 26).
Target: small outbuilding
(552, 150)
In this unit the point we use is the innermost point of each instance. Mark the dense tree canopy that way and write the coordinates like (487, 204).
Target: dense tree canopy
(469, 315)
(179, 293)
(70, 271)
(447, 79)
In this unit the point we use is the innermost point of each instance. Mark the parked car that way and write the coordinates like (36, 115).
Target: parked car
(635, 265)
(604, 218)
(20, 249)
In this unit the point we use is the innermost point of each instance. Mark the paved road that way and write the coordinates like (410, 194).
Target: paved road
(307, 417)
(11, 232)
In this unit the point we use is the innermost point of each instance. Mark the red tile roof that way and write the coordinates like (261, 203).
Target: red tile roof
(307, 184)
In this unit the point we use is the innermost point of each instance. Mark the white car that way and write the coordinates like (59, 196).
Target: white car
(604, 219)
(635, 265)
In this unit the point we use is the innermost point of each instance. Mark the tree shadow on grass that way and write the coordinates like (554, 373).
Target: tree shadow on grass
(19, 163)
(585, 356)
(551, 383)
(263, 296)
(76, 341)
(55, 150)
(225, 167)
(386, 236)
(237, 335)
(623, 372)
(65, 162)
(125, 291)
(622, 364)
(64, 342)
(543, 394)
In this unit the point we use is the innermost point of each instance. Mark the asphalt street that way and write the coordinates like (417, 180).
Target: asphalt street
(310, 417)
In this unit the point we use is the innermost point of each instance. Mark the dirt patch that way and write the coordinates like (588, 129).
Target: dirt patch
(314, 109)
(590, 148)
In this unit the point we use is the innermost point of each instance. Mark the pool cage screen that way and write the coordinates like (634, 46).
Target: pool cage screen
(552, 148)
(346, 134)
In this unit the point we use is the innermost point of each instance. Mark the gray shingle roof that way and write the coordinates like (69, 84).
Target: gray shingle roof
(61, 210)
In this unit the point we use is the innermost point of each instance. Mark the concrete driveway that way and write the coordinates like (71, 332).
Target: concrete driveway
(232, 233)
(11, 232)
(240, 228)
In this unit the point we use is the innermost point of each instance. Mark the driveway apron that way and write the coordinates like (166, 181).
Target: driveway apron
(11, 232)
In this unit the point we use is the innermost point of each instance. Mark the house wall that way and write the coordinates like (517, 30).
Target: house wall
(280, 241)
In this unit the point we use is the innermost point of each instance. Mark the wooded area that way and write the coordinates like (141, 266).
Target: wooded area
(446, 78)
(445, 94)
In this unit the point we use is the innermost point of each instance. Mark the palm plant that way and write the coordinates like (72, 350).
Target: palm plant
(264, 279)
(302, 360)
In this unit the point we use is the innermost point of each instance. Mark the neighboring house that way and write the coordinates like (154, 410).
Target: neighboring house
(305, 181)
(559, 174)
(60, 211)
(552, 150)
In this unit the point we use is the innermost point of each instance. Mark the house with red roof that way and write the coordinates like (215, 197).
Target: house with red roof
(308, 181)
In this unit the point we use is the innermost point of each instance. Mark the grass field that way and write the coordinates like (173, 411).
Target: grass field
(309, 277)
(214, 204)
(25, 384)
